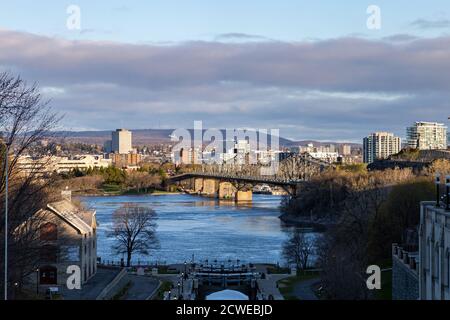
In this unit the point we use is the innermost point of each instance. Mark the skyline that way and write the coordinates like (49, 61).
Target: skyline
(320, 85)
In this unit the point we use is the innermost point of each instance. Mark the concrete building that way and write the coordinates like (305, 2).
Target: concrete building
(242, 150)
(187, 156)
(125, 160)
(82, 162)
(121, 141)
(380, 145)
(448, 139)
(330, 157)
(427, 136)
(345, 150)
(434, 252)
(30, 165)
(68, 237)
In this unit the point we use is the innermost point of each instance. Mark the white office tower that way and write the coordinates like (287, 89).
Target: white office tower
(380, 145)
(121, 141)
(427, 136)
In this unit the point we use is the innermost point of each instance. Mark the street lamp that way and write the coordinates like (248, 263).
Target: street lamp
(6, 218)
(437, 182)
(182, 283)
(37, 281)
(447, 193)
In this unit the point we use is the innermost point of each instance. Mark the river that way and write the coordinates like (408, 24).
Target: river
(201, 228)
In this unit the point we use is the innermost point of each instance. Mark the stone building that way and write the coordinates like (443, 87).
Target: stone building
(68, 234)
(434, 250)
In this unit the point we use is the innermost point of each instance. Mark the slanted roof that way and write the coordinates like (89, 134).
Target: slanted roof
(82, 220)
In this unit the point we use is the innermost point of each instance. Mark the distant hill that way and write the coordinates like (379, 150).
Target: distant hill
(156, 136)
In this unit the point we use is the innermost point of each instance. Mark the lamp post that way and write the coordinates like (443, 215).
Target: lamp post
(6, 219)
(447, 193)
(37, 281)
(437, 182)
(182, 283)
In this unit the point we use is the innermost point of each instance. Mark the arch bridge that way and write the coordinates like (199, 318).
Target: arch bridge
(237, 181)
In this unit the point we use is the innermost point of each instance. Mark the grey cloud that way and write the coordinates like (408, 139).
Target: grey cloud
(330, 89)
(347, 64)
(241, 37)
(401, 38)
(431, 24)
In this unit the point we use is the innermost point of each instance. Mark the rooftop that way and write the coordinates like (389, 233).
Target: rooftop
(82, 220)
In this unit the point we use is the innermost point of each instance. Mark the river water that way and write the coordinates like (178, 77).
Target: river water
(193, 227)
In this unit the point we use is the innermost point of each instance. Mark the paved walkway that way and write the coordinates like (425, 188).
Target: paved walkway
(141, 287)
(93, 287)
(268, 286)
(304, 290)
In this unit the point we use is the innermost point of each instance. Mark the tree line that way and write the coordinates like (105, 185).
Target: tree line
(366, 211)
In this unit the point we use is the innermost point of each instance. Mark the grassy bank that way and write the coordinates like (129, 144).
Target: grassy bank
(117, 190)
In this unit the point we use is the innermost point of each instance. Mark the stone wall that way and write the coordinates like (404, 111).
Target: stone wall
(405, 280)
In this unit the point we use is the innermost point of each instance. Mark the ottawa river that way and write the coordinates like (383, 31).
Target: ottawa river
(193, 226)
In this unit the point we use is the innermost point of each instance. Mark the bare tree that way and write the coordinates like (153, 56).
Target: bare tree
(134, 230)
(298, 249)
(25, 120)
(141, 180)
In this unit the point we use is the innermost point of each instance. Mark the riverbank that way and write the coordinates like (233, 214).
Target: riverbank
(102, 193)
(319, 225)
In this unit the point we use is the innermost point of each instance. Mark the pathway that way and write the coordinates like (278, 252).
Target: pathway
(268, 286)
(93, 287)
(303, 290)
(141, 287)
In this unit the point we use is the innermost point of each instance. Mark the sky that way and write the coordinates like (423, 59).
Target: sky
(312, 69)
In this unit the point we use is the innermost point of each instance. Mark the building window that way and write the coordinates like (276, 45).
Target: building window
(48, 232)
(48, 275)
(436, 262)
(447, 255)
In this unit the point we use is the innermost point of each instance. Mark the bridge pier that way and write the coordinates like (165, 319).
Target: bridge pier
(244, 195)
(198, 185)
(227, 190)
(210, 187)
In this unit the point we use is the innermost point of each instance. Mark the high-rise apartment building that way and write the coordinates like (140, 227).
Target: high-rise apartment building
(427, 136)
(121, 141)
(345, 150)
(380, 145)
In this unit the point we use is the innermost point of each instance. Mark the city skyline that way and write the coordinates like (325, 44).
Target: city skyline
(311, 82)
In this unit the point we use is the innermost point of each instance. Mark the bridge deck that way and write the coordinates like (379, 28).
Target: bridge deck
(277, 182)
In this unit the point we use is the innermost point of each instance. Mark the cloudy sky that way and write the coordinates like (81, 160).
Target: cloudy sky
(313, 70)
